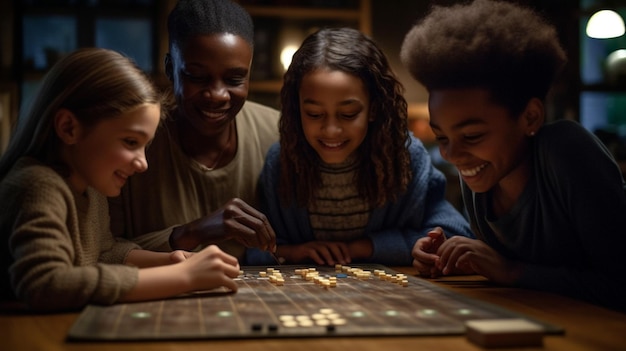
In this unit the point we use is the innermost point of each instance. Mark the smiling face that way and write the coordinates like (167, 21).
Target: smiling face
(487, 145)
(210, 75)
(334, 111)
(105, 155)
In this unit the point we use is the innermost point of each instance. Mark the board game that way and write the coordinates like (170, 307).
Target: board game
(296, 301)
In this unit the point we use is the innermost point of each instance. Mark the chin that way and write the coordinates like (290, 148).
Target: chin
(335, 159)
(111, 192)
(478, 189)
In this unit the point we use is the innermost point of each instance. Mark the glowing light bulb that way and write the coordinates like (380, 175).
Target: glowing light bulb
(287, 54)
(605, 24)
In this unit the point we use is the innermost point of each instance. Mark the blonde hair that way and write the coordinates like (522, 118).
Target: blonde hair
(94, 84)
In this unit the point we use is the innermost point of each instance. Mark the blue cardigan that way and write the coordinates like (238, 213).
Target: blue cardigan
(393, 229)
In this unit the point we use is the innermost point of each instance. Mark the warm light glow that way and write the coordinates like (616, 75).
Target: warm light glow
(616, 56)
(287, 54)
(616, 67)
(605, 24)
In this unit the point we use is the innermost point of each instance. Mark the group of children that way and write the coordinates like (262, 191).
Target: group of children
(341, 181)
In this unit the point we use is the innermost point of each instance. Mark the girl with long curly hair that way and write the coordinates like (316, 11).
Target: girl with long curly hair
(347, 182)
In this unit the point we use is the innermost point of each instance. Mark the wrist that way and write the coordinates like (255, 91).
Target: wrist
(184, 238)
(361, 248)
(282, 253)
(181, 275)
(174, 235)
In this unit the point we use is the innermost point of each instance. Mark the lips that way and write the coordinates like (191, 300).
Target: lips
(471, 172)
(214, 114)
(122, 176)
(333, 144)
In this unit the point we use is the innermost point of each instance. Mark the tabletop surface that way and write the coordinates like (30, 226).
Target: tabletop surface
(586, 327)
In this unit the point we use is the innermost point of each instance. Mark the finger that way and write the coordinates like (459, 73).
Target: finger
(177, 256)
(238, 205)
(472, 263)
(214, 252)
(452, 259)
(340, 253)
(230, 260)
(434, 272)
(422, 269)
(313, 254)
(422, 253)
(237, 211)
(446, 248)
(437, 235)
(241, 230)
(346, 253)
(270, 236)
(256, 220)
(253, 231)
(444, 251)
(425, 246)
(230, 284)
(464, 263)
(325, 253)
(231, 270)
(425, 257)
(436, 232)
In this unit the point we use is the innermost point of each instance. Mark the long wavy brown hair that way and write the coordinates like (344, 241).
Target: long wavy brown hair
(383, 158)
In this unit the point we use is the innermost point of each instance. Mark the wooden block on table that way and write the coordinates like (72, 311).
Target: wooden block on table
(504, 333)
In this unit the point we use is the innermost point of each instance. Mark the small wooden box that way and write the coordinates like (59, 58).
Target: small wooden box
(504, 333)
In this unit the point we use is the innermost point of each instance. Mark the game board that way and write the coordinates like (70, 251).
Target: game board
(299, 301)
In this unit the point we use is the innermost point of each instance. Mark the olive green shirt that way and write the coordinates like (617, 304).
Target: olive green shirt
(176, 189)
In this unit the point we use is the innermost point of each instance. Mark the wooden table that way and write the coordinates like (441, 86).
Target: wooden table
(587, 327)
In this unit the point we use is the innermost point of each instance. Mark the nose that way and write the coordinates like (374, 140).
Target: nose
(216, 91)
(140, 164)
(331, 126)
(450, 151)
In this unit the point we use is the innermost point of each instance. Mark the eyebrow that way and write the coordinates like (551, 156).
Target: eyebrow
(342, 103)
(233, 70)
(137, 131)
(463, 124)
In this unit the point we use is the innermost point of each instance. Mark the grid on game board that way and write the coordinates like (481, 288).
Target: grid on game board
(298, 307)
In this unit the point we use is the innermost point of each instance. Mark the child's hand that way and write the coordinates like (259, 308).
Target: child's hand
(321, 252)
(211, 268)
(177, 256)
(473, 256)
(425, 253)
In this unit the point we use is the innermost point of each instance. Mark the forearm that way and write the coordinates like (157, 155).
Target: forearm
(288, 252)
(158, 283)
(361, 249)
(203, 231)
(145, 258)
(392, 247)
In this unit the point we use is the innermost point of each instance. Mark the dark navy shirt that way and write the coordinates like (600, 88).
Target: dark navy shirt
(569, 224)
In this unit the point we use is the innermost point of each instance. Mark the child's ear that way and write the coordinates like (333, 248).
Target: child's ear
(534, 116)
(67, 126)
